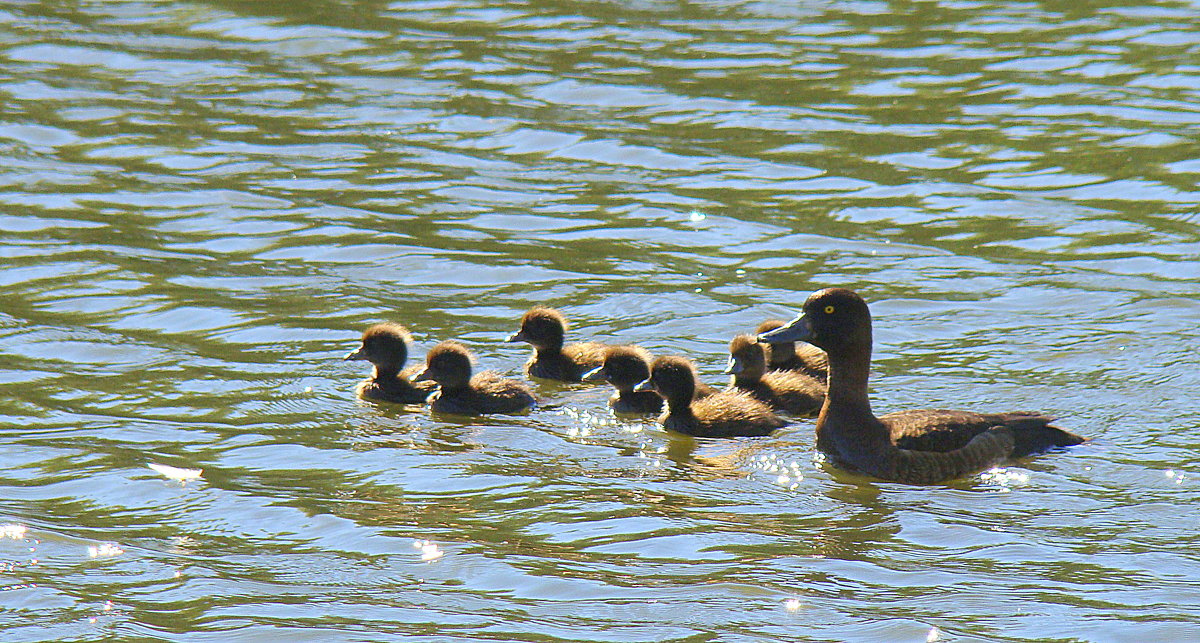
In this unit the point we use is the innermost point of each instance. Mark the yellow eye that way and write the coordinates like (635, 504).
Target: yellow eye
(829, 310)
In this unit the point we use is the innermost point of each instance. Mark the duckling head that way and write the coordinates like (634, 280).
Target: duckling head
(747, 359)
(448, 364)
(673, 377)
(541, 327)
(624, 367)
(777, 354)
(384, 345)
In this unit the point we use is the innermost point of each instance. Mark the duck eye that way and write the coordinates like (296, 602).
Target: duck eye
(829, 310)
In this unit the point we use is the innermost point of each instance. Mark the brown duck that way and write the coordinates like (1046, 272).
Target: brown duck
(386, 347)
(625, 367)
(545, 329)
(918, 446)
(449, 364)
(790, 391)
(723, 414)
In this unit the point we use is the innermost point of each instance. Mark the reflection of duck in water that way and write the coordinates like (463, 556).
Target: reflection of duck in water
(624, 367)
(789, 391)
(386, 347)
(720, 415)
(545, 329)
(787, 356)
(449, 364)
(919, 446)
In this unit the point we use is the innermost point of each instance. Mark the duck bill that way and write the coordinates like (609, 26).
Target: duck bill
(797, 330)
(644, 385)
(734, 366)
(422, 376)
(516, 337)
(595, 375)
(357, 353)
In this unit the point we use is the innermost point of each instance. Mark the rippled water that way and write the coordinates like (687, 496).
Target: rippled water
(202, 205)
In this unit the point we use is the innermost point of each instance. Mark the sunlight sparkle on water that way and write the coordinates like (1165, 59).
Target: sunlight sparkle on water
(14, 531)
(1005, 478)
(104, 550)
(176, 473)
(695, 216)
(933, 635)
(429, 550)
(792, 605)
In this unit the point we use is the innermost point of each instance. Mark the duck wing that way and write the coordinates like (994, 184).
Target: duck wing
(945, 430)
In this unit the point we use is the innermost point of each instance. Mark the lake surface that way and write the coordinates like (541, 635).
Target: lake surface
(202, 205)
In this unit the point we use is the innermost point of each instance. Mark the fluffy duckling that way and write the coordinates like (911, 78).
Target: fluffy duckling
(787, 356)
(386, 347)
(918, 446)
(449, 364)
(789, 391)
(624, 367)
(544, 329)
(720, 415)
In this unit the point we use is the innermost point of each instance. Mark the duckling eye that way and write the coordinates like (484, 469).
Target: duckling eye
(829, 310)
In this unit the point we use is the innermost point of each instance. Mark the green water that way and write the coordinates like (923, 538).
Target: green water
(203, 204)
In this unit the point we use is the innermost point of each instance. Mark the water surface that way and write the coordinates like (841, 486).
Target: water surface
(203, 204)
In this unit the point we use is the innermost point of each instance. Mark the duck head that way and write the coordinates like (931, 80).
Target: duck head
(834, 319)
(448, 364)
(384, 345)
(624, 367)
(541, 327)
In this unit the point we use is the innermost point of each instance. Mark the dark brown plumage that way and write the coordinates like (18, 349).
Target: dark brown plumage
(723, 414)
(790, 391)
(449, 364)
(788, 356)
(919, 446)
(545, 329)
(624, 367)
(386, 347)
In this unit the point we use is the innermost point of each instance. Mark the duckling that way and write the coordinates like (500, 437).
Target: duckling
(789, 391)
(449, 364)
(917, 446)
(624, 367)
(544, 328)
(720, 415)
(787, 356)
(386, 347)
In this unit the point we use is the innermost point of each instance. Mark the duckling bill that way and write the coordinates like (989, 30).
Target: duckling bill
(918, 446)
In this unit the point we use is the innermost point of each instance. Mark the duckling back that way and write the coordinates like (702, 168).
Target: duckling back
(722, 415)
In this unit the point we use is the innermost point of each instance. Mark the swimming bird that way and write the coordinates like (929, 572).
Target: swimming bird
(449, 364)
(545, 329)
(720, 415)
(917, 446)
(386, 347)
(787, 356)
(790, 391)
(625, 367)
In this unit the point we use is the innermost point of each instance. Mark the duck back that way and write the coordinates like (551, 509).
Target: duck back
(946, 430)
(487, 393)
(723, 414)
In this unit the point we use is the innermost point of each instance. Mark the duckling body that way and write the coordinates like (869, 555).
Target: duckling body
(545, 329)
(722, 414)
(386, 347)
(789, 391)
(624, 367)
(789, 356)
(449, 364)
(918, 446)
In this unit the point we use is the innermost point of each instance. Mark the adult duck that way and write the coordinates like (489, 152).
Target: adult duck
(917, 446)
